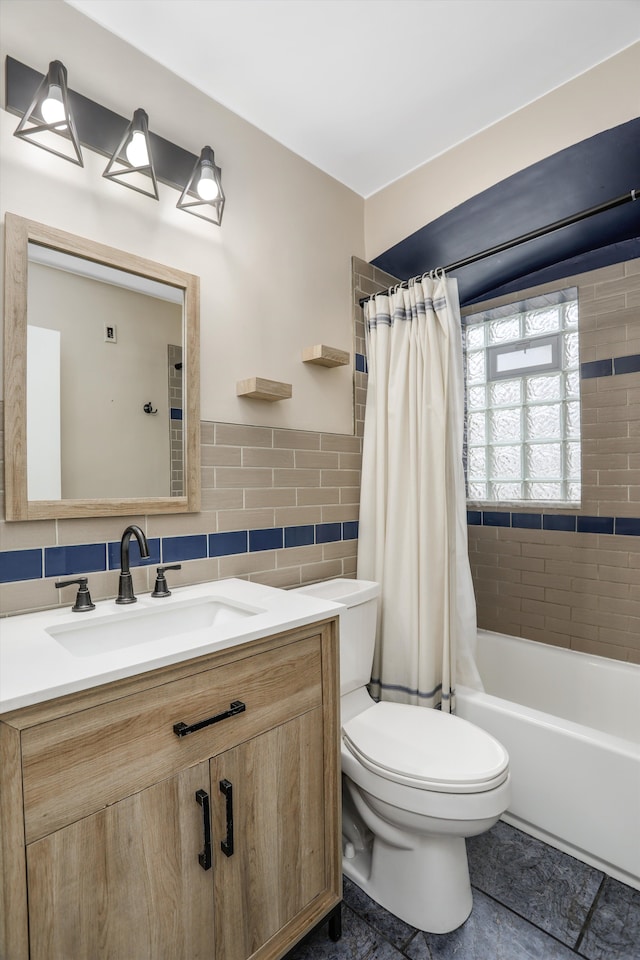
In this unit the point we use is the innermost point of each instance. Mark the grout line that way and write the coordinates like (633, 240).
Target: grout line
(590, 912)
(528, 920)
(377, 931)
(403, 949)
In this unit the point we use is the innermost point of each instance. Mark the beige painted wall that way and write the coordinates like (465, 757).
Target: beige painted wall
(274, 278)
(602, 98)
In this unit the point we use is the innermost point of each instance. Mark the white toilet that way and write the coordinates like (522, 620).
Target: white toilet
(416, 782)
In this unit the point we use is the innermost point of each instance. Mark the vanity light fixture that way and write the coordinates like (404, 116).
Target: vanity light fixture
(141, 160)
(49, 113)
(132, 161)
(203, 195)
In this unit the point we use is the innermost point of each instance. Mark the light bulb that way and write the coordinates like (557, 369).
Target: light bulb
(52, 108)
(136, 150)
(207, 188)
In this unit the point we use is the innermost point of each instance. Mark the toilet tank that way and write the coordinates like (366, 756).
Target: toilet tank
(357, 626)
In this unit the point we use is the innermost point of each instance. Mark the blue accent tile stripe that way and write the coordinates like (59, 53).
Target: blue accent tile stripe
(492, 518)
(175, 549)
(87, 558)
(228, 543)
(611, 366)
(569, 523)
(20, 565)
(328, 532)
(530, 521)
(596, 368)
(77, 559)
(268, 539)
(558, 521)
(361, 363)
(135, 560)
(629, 364)
(176, 413)
(301, 536)
(350, 530)
(595, 524)
(627, 526)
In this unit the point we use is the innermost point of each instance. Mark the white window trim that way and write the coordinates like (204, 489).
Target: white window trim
(523, 346)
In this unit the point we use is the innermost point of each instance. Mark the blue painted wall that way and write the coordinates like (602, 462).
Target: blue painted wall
(582, 176)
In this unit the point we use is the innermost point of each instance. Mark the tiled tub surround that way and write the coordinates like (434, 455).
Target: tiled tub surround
(572, 577)
(572, 581)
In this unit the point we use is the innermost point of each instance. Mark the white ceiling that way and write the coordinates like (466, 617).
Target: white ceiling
(368, 90)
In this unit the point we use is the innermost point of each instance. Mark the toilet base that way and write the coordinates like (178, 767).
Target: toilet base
(427, 886)
(425, 882)
(421, 877)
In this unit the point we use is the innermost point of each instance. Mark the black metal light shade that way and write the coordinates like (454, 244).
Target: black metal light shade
(132, 161)
(49, 113)
(203, 195)
(142, 159)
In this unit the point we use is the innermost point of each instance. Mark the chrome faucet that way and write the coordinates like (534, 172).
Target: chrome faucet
(125, 584)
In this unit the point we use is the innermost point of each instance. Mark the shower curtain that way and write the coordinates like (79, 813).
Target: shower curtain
(413, 530)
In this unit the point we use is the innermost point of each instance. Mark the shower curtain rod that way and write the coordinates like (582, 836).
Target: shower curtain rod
(532, 235)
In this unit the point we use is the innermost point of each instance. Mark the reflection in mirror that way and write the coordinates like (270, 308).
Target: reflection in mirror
(106, 405)
(91, 437)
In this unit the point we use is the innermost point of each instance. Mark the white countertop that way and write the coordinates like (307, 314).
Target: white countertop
(35, 666)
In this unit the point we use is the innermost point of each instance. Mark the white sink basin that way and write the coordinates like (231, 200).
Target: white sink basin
(53, 653)
(140, 625)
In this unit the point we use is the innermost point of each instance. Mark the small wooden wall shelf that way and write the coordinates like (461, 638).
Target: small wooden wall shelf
(256, 388)
(325, 356)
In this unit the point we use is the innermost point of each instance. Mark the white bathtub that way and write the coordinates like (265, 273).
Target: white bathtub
(571, 724)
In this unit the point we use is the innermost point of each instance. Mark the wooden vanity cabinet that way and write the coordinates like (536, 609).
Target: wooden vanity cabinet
(123, 882)
(128, 841)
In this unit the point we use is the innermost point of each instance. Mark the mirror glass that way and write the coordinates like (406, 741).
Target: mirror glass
(105, 404)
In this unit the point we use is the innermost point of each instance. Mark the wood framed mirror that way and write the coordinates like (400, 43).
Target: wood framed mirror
(101, 379)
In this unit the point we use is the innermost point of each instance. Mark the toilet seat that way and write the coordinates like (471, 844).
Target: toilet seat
(426, 749)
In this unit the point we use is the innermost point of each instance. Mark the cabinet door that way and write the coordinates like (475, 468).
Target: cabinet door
(126, 883)
(278, 862)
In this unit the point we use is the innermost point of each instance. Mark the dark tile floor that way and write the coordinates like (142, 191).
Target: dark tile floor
(530, 902)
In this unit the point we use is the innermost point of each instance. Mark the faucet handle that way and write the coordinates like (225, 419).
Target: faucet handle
(161, 589)
(83, 597)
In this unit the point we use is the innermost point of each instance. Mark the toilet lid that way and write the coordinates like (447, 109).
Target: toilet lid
(426, 748)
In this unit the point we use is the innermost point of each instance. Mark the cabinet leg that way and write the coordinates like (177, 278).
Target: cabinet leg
(335, 923)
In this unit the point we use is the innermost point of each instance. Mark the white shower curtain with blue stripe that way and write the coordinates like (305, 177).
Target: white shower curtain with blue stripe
(413, 531)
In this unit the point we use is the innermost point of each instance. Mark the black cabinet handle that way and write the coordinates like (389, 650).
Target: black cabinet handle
(182, 729)
(204, 858)
(227, 845)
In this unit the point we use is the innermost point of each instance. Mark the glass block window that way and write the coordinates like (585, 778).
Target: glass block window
(523, 402)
